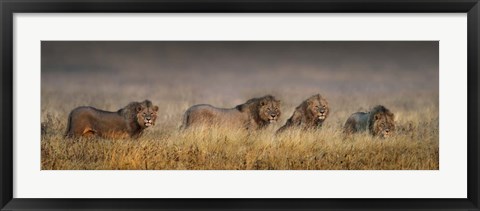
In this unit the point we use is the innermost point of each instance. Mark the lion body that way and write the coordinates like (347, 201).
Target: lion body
(129, 121)
(310, 114)
(378, 122)
(256, 113)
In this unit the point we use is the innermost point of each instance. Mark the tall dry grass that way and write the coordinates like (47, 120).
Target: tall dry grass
(109, 80)
(415, 146)
(227, 150)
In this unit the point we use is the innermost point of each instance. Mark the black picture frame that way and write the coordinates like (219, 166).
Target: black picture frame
(9, 7)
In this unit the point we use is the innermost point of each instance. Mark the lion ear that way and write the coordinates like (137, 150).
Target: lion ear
(262, 103)
(376, 116)
(155, 108)
(309, 102)
(138, 108)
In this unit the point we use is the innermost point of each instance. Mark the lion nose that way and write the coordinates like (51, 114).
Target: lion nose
(387, 130)
(273, 115)
(322, 111)
(147, 118)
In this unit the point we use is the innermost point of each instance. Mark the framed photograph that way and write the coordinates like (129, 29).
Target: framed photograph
(239, 105)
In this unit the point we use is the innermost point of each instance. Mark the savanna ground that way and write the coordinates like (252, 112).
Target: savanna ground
(352, 76)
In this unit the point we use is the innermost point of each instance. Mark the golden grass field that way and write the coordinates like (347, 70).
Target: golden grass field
(174, 85)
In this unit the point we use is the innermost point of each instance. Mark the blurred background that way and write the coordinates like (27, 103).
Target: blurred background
(352, 76)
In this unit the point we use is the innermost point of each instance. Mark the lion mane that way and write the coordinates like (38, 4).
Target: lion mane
(129, 121)
(254, 114)
(379, 121)
(310, 114)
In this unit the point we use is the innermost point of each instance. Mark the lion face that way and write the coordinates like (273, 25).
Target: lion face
(384, 125)
(269, 110)
(318, 107)
(146, 115)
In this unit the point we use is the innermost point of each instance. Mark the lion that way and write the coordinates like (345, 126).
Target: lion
(379, 121)
(129, 121)
(255, 114)
(310, 114)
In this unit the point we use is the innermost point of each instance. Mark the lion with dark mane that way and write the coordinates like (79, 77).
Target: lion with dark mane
(129, 121)
(379, 122)
(255, 114)
(310, 114)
